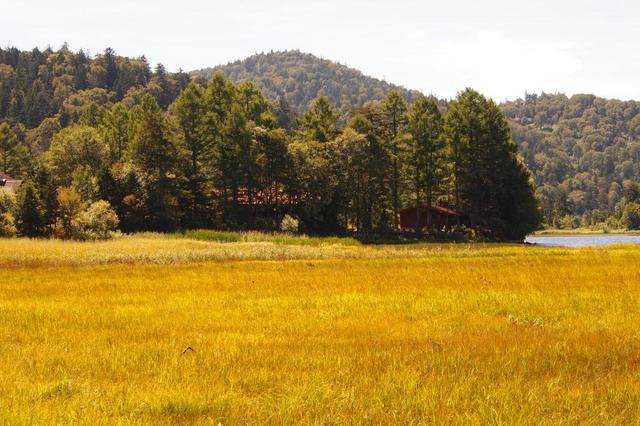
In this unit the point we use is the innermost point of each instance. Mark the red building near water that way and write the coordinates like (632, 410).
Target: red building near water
(442, 218)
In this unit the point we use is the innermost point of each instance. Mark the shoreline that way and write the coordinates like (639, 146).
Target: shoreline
(582, 231)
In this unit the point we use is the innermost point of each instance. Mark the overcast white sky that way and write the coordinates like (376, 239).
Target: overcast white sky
(500, 47)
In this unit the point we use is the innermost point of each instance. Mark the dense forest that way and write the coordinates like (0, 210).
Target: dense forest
(104, 142)
(583, 151)
(299, 78)
(58, 85)
(585, 154)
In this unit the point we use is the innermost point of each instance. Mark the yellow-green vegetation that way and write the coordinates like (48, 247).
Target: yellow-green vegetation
(165, 330)
(586, 231)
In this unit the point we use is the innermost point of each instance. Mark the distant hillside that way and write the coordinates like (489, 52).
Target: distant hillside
(45, 84)
(583, 151)
(299, 78)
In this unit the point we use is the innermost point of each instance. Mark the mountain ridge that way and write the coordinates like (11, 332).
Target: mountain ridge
(231, 70)
(300, 77)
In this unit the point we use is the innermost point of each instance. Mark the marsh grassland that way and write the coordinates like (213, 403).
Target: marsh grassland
(326, 332)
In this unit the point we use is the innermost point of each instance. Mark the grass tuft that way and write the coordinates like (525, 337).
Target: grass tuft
(62, 389)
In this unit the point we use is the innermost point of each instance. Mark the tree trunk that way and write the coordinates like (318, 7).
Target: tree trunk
(194, 186)
(396, 202)
(418, 229)
(456, 191)
(429, 204)
(430, 179)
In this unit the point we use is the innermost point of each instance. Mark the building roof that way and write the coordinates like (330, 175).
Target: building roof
(439, 209)
(261, 196)
(7, 183)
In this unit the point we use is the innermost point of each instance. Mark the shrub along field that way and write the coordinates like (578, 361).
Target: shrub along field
(267, 329)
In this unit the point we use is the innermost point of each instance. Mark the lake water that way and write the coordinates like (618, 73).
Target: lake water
(582, 240)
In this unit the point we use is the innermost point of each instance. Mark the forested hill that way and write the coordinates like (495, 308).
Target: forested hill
(48, 89)
(299, 78)
(584, 152)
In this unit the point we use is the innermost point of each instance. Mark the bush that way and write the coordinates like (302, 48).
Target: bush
(7, 201)
(98, 222)
(631, 216)
(78, 222)
(613, 223)
(70, 206)
(7, 226)
(569, 222)
(7, 222)
(289, 224)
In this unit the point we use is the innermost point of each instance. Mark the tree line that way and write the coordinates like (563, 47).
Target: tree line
(582, 151)
(40, 84)
(217, 157)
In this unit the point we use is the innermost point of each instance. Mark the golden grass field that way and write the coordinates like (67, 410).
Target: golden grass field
(93, 333)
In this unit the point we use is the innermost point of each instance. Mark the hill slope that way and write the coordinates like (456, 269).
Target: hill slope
(583, 151)
(301, 77)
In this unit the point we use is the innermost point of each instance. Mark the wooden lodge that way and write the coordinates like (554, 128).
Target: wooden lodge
(442, 218)
(7, 183)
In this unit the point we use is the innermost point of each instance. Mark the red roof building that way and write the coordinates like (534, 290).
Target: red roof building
(7, 183)
(442, 218)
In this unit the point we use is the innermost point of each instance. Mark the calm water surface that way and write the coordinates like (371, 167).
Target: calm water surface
(582, 240)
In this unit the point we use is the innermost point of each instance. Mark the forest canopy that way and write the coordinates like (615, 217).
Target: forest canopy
(584, 152)
(299, 78)
(173, 150)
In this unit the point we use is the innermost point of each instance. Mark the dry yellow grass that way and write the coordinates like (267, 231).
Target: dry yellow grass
(93, 333)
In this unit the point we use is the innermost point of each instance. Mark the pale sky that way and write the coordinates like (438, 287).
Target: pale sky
(500, 47)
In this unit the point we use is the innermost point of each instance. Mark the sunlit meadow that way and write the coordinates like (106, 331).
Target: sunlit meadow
(279, 330)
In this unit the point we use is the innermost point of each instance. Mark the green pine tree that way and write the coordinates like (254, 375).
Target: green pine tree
(426, 153)
(152, 150)
(29, 216)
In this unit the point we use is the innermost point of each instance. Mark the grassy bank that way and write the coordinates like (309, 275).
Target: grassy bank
(177, 248)
(95, 333)
(262, 237)
(586, 231)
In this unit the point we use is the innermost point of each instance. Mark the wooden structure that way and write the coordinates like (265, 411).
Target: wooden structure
(442, 218)
(7, 183)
